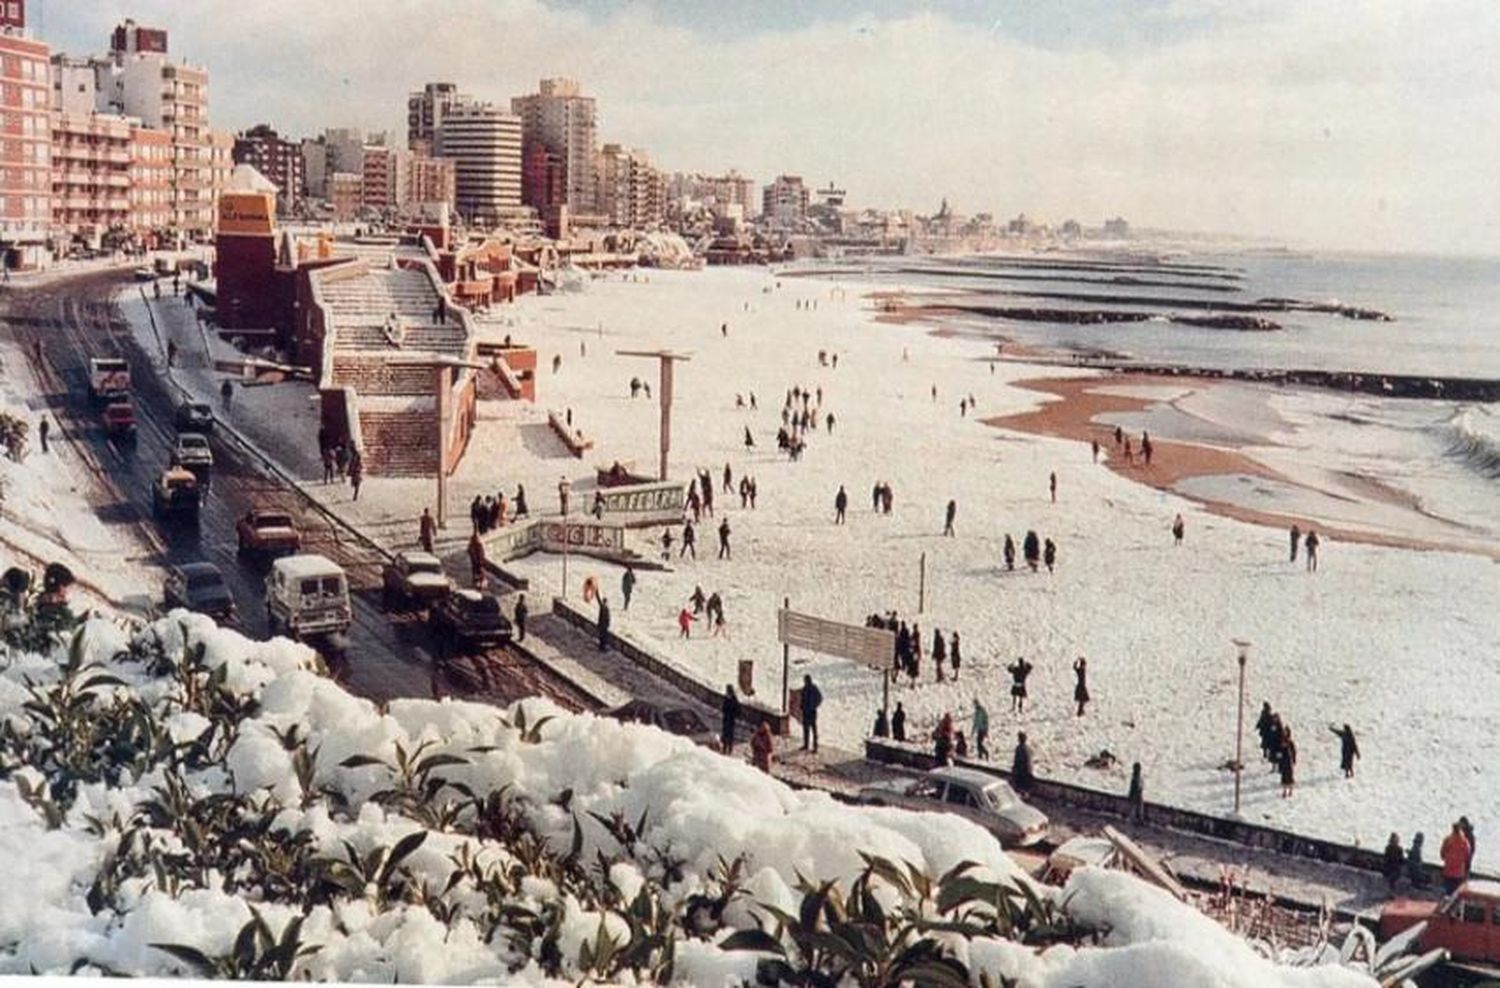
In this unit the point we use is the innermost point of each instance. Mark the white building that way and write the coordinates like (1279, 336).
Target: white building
(559, 119)
(484, 144)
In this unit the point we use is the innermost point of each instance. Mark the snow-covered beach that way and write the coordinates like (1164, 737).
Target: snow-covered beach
(1394, 642)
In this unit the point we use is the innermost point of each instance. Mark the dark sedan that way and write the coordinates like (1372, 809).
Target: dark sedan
(194, 416)
(468, 619)
(199, 587)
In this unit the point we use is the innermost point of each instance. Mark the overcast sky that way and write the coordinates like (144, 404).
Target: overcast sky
(1370, 124)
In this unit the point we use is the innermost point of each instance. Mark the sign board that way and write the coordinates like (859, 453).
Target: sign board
(874, 647)
(246, 214)
(646, 503)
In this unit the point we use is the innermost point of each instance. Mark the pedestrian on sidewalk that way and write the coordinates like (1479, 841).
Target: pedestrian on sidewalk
(1178, 528)
(761, 746)
(689, 541)
(1311, 543)
(729, 716)
(1052, 485)
(520, 619)
(1081, 689)
(898, 723)
(1095, 444)
(724, 552)
(43, 430)
(1020, 764)
(840, 505)
(1348, 748)
(226, 393)
(476, 561)
(518, 504)
(1296, 540)
(949, 515)
(563, 489)
(356, 472)
(981, 730)
(627, 584)
(812, 699)
(603, 624)
(327, 455)
(427, 529)
(341, 460)
(1286, 763)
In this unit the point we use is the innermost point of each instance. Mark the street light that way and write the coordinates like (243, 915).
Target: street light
(1243, 648)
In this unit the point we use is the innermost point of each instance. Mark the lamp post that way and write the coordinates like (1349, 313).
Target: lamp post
(444, 368)
(1243, 648)
(565, 548)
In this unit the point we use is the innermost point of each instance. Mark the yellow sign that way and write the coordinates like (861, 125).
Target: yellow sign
(247, 214)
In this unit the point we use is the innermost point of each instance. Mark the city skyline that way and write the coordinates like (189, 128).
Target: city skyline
(1317, 124)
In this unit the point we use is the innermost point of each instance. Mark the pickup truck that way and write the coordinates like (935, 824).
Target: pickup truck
(1466, 924)
(267, 533)
(108, 376)
(415, 579)
(119, 421)
(176, 492)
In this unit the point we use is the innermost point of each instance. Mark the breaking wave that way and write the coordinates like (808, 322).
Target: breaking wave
(1473, 436)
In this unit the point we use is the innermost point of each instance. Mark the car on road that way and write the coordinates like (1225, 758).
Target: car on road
(307, 596)
(119, 421)
(192, 452)
(194, 416)
(1466, 923)
(969, 793)
(176, 492)
(199, 587)
(109, 377)
(415, 579)
(267, 533)
(468, 619)
(145, 274)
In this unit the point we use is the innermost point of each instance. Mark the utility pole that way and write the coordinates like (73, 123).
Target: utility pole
(786, 667)
(444, 368)
(1243, 648)
(665, 358)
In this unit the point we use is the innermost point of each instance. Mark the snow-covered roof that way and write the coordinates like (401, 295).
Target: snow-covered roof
(307, 564)
(1483, 887)
(245, 178)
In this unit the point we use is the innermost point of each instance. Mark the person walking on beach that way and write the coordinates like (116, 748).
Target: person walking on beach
(729, 716)
(949, 515)
(627, 585)
(1020, 763)
(898, 723)
(812, 699)
(840, 505)
(761, 746)
(685, 623)
(603, 624)
(1348, 748)
(1049, 554)
(954, 655)
(520, 617)
(689, 541)
(1081, 689)
(1178, 527)
(43, 430)
(1095, 444)
(1296, 541)
(1018, 670)
(356, 472)
(1032, 548)
(427, 530)
(1286, 762)
(1052, 485)
(724, 552)
(1136, 795)
(981, 730)
(1311, 544)
(939, 652)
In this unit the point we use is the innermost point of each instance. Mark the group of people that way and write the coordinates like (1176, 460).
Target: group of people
(341, 461)
(1309, 543)
(1456, 855)
(761, 743)
(710, 607)
(1036, 551)
(1127, 449)
(1278, 747)
(486, 514)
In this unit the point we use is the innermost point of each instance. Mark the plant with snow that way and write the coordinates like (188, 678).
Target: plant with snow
(257, 955)
(13, 433)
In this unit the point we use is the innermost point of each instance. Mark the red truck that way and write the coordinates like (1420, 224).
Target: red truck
(1466, 923)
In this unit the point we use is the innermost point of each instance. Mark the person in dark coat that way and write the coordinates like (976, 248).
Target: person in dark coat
(520, 619)
(427, 527)
(1031, 546)
(476, 560)
(1296, 541)
(955, 655)
(724, 552)
(812, 699)
(840, 505)
(1263, 728)
(689, 541)
(1049, 554)
(477, 513)
(1010, 553)
(1311, 544)
(43, 430)
(730, 716)
(898, 723)
(1348, 748)
(1286, 762)
(942, 740)
(1137, 794)
(1414, 870)
(1391, 862)
(627, 584)
(882, 725)
(1178, 527)
(1018, 670)
(603, 625)
(519, 503)
(1020, 765)
(948, 517)
(1081, 689)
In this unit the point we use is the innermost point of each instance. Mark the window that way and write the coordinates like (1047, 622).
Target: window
(1471, 912)
(927, 789)
(959, 796)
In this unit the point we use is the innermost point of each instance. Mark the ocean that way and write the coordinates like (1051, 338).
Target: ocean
(1440, 460)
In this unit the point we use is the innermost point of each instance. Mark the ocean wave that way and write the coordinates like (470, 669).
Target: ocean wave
(1473, 436)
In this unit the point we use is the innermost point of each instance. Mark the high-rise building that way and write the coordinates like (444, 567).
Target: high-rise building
(484, 144)
(559, 118)
(150, 180)
(315, 167)
(785, 202)
(345, 194)
(91, 158)
(424, 111)
(25, 144)
(630, 191)
(730, 193)
(430, 180)
(277, 159)
(386, 179)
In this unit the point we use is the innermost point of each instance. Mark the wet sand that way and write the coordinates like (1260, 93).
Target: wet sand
(1083, 400)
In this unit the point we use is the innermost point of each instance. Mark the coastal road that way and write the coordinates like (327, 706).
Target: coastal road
(70, 320)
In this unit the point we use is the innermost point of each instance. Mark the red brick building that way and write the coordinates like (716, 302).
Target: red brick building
(25, 142)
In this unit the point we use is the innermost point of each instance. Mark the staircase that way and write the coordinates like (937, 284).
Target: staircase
(399, 444)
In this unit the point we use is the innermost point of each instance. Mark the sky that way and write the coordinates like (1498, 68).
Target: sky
(1318, 123)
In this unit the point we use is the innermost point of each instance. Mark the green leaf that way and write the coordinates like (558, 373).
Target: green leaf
(404, 847)
(188, 955)
(752, 940)
(438, 761)
(360, 761)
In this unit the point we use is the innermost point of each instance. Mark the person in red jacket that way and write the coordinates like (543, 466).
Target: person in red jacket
(1455, 855)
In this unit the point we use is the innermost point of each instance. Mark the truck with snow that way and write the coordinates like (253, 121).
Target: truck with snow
(307, 596)
(1466, 924)
(109, 377)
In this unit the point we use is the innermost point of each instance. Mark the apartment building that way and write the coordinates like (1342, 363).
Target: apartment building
(25, 143)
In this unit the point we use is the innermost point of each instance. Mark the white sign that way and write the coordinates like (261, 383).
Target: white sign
(874, 647)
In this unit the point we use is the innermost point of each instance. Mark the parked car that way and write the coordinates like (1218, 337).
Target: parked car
(192, 452)
(307, 595)
(969, 793)
(194, 416)
(176, 492)
(119, 421)
(1466, 923)
(199, 587)
(415, 579)
(468, 619)
(267, 533)
(145, 274)
(108, 377)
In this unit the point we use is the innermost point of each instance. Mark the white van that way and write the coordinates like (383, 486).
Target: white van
(307, 595)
